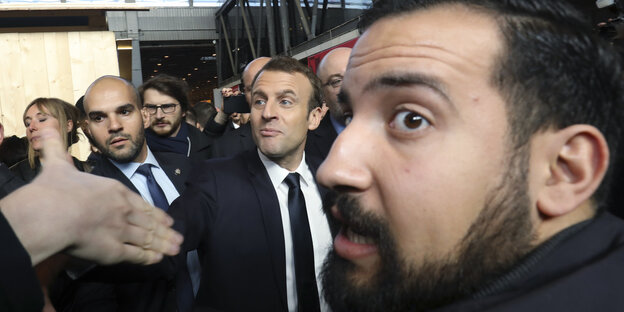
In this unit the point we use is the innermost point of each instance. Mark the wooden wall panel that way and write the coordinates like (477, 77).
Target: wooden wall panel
(12, 94)
(53, 64)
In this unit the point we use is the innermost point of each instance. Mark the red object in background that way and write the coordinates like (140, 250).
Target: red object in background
(236, 88)
(314, 60)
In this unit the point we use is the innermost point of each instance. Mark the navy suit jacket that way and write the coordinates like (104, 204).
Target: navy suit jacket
(233, 142)
(230, 213)
(127, 287)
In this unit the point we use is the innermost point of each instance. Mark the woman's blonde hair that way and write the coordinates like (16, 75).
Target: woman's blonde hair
(61, 111)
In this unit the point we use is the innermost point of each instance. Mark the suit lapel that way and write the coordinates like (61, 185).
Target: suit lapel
(271, 218)
(176, 166)
(105, 168)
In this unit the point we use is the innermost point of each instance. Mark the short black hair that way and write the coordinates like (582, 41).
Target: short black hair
(290, 65)
(553, 71)
(169, 85)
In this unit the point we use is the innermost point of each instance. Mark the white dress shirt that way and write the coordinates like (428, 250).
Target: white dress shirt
(140, 181)
(319, 228)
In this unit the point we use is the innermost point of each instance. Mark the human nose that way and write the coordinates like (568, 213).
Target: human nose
(33, 126)
(159, 112)
(268, 112)
(114, 124)
(346, 168)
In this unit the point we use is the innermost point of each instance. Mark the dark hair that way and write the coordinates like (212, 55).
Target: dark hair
(553, 71)
(204, 111)
(290, 65)
(169, 85)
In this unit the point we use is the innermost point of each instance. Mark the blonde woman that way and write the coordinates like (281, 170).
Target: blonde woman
(44, 113)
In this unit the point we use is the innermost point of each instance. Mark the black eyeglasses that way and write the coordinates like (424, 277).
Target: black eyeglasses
(335, 82)
(166, 108)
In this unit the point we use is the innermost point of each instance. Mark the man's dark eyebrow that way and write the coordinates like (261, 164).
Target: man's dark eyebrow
(259, 93)
(94, 114)
(288, 92)
(410, 79)
(126, 107)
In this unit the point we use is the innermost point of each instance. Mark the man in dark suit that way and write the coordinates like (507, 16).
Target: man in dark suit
(240, 139)
(256, 218)
(165, 102)
(470, 179)
(103, 222)
(113, 110)
(331, 72)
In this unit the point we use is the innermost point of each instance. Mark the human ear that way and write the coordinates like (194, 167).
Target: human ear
(70, 125)
(578, 159)
(314, 118)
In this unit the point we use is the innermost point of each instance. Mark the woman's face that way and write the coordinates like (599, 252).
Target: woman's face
(35, 120)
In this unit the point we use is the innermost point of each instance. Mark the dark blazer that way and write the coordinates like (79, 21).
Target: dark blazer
(215, 130)
(230, 213)
(116, 288)
(233, 142)
(8, 181)
(320, 140)
(23, 170)
(200, 144)
(19, 288)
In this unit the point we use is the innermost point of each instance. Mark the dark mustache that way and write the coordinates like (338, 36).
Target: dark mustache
(353, 215)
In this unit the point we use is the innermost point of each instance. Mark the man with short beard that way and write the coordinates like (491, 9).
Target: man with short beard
(115, 122)
(472, 174)
(165, 102)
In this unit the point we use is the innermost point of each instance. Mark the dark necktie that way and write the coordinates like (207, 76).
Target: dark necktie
(184, 288)
(307, 293)
(157, 194)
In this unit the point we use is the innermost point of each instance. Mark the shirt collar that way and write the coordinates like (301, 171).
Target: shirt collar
(337, 125)
(129, 168)
(277, 174)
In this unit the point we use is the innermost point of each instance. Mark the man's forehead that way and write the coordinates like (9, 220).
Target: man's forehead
(451, 29)
(107, 90)
(274, 78)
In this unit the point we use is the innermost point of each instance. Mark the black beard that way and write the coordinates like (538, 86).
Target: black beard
(500, 236)
(133, 152)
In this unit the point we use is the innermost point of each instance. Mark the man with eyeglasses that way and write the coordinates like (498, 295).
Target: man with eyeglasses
(330, 72)
(165, 102)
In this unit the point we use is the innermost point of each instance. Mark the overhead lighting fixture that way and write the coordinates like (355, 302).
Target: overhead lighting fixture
(159, 64)
(155, 70)
(166, 56)
(214, 54)
(195, 68)
(183, 78)
(188, 74)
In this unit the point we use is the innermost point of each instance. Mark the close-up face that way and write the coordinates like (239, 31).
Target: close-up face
(279, 114)
(35, 120)
(115, 121)
(421, 167)
(163, 124)
(331, 75)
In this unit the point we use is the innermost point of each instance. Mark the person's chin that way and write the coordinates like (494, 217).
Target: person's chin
(162, 131)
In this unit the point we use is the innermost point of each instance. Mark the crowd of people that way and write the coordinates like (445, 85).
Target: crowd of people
(458, 158)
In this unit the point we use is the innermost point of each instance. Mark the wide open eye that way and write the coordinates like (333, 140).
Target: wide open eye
(409, 121)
